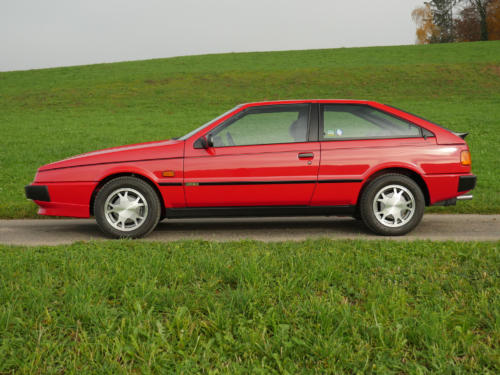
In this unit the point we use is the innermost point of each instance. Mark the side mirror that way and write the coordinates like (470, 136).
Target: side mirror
(204, 142)
(210, 140)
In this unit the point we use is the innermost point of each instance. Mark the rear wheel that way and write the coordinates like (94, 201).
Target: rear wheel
(127, 207)
(392, 205)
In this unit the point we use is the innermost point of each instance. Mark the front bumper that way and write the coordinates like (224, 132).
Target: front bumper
(70, 199)
(37, 193)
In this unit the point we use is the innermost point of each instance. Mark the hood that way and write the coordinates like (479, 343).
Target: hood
(135, 152)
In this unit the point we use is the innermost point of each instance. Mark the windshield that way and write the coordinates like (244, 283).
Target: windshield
(183, 138)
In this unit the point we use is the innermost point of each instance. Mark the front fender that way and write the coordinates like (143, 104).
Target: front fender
(170, 188)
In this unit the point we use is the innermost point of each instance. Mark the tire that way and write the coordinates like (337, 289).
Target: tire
(392, 205)
(127, 207)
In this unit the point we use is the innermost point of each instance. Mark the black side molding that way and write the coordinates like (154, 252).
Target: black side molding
(337, 181)
(170, 183)
(466, 183)
(259, 211)
(340, 181)
(254, 182)
(37, 192)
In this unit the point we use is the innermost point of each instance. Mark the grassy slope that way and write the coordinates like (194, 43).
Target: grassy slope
(46, 115)
(315, 306)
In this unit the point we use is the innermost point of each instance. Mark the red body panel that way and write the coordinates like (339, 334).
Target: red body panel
(260, 175)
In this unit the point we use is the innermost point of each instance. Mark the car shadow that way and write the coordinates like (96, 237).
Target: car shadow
(327, 225)
(232, 229)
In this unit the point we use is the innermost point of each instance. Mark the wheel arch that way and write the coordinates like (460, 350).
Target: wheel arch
(415, 176)
(112, 176)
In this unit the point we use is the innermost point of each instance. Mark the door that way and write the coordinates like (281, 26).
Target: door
(260, 157)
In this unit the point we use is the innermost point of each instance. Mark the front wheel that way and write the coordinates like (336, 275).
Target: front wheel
(392, 205)
(127, 207)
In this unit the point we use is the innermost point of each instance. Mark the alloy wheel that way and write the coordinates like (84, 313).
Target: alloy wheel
(394, 205)
(126, 209)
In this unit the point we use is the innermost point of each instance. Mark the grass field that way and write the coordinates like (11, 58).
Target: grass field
(319, 306)
(50, 114)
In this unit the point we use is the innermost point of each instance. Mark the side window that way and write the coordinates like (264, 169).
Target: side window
(344, 121)
(264, 125)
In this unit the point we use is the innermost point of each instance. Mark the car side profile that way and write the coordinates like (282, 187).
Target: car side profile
(302, 157)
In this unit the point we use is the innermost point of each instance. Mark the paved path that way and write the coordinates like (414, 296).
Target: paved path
(433, 226)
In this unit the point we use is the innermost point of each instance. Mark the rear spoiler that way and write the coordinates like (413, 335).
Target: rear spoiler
(461, 135)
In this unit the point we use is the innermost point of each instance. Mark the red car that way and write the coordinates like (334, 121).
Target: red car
(302, 157)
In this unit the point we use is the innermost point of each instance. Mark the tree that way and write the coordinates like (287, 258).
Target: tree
(427, 31)
(443, 21)
(467, 26)
(481, 7)
(442, 14)
(493, 20)
(479, 20)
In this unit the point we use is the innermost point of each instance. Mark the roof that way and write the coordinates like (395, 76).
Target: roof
(299, 101)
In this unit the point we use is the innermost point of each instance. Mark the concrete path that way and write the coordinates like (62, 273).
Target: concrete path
(36, 232)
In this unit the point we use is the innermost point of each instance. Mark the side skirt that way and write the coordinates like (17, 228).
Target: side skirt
(256, 211)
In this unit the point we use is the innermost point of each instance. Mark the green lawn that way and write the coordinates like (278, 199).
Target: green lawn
(319, 306)
(50, 114)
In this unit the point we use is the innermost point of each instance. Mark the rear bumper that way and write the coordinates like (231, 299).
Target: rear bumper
(465, 184)
(70, 199)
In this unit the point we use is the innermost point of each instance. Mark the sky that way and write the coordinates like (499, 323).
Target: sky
(51, 33)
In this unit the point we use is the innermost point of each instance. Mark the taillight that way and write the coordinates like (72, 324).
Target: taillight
(465, 158)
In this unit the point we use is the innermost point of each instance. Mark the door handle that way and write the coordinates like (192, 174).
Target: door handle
(306, 155)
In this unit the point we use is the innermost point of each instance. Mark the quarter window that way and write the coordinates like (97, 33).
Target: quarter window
(358, 121)
(264, 125)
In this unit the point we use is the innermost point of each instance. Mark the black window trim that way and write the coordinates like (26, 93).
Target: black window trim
(322, 126)
(314, 116)
(240, 114)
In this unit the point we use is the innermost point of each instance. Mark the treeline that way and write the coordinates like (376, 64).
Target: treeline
(444, 21)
